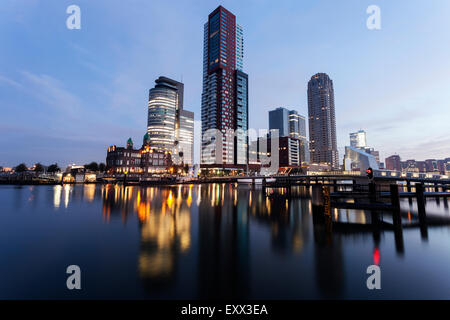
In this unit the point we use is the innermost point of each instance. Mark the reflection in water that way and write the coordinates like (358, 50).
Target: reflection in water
(57, 196)
(67, 193)
(223, 237)
(221, 228)
(89, 192)
(329, 262)
(224, 212)
(165, 226)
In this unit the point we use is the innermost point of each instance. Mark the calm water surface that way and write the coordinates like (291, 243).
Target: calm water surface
(206, 241)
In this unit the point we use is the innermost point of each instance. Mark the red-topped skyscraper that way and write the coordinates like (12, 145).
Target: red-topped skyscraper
(225, 94)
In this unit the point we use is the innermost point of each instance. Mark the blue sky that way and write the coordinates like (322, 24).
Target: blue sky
(65, 95)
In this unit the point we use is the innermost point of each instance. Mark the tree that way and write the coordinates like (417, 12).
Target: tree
(186, 168)
(21, 168)
(38, 167)
(53, 168)
(102, 167)
(93, 166)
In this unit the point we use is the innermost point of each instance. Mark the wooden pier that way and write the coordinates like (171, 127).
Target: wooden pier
(377, 198)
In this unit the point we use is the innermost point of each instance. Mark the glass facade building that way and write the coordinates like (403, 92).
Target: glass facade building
(290, 124)
(279, 120)
(322, 121)
(241, 136)
(185, 137)
(163, 105)
(170, 128)
(358, 139)
(225, 92)
(355, 159)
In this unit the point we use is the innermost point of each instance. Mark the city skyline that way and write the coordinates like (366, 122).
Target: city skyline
(88, 88)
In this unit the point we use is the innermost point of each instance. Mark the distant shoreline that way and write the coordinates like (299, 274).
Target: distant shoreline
(142, 183)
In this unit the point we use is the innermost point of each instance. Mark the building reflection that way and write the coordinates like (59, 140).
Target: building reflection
(328, 256)
(287, 217)
(235, 227)
(164, 220)
(165, 225)
(118, 202)
(57, 190)
(225, 214)
(223, 236)
(89, 192)
(62, 194)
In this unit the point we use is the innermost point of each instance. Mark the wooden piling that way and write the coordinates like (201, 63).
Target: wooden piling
(288, 188)
(326, 200)
(317, 195)
(421, 202)
(422, 213)
(327, 211)
(399, 243)
(395, 197)
(372, 192)
(395, 202)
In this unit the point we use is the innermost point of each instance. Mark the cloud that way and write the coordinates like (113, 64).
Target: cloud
(51, 92)
(10, 82)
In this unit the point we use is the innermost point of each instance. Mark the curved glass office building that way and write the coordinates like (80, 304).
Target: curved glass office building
(164, 102)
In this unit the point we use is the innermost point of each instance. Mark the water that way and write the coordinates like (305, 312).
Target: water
(205, 241)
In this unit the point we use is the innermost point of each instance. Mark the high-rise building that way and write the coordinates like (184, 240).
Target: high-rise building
(279, 120)
(290, 124)
(294, 126)
(393, 163)
(225, 93)
(288, 151)
(170, 128)
(185, 137)
(163, 105)
(358, 139)
(322, 121)
(297, 129)
(241, 121)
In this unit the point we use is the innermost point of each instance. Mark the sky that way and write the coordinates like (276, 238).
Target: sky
(66, 95)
